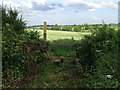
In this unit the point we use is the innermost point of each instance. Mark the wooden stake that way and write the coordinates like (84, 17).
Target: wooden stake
(45, 29)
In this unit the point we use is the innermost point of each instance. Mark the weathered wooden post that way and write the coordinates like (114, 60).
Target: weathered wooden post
(45, 27)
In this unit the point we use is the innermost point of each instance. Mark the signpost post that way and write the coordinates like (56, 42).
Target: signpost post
(45, 28)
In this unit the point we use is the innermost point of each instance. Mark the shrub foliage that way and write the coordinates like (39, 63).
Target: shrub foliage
(23, 51)
(99, 53)
(101, 41)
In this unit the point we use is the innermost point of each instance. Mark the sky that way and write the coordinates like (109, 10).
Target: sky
(66, 12)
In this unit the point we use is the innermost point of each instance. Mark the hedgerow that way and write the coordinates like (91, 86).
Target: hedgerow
(23, 52)
(99, 55)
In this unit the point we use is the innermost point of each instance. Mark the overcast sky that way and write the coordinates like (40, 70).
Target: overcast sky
(35, 12)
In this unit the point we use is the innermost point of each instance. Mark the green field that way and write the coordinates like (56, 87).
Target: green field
(56, 35)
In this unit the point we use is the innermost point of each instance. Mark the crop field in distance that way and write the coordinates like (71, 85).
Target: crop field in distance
(56, 35)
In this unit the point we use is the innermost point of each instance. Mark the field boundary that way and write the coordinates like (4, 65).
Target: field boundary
(64, 46)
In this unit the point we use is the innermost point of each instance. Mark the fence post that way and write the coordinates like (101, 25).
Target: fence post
(45, 27)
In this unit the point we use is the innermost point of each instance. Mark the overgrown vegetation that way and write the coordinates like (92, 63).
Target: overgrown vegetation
(99, 53)
(23, 52)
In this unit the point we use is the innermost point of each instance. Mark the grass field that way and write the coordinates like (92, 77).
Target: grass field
(66, 38)
(56, 35)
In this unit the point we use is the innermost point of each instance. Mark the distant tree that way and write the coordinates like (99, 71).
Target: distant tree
(78, 28)
(56, 27)
(67, 28)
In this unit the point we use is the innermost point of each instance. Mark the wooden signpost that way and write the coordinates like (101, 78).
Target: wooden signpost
(45, 29)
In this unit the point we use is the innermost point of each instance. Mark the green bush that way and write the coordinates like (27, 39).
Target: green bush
(23, 51)
(99, 42)
(56, 27)
(10, 17)
(66, 28)
(99, 53)
(22, 54)
(77, 28)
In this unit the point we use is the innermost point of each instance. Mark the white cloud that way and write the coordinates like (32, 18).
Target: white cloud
(41, 1)
(55, 10)
(30, 14)
(40, 15)
(49, 7)
(10, 4)
(96, 18)
(91, 10)
(109, 5)
(42, 7)
(91, 6)
(26, 4)
(30, 1)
